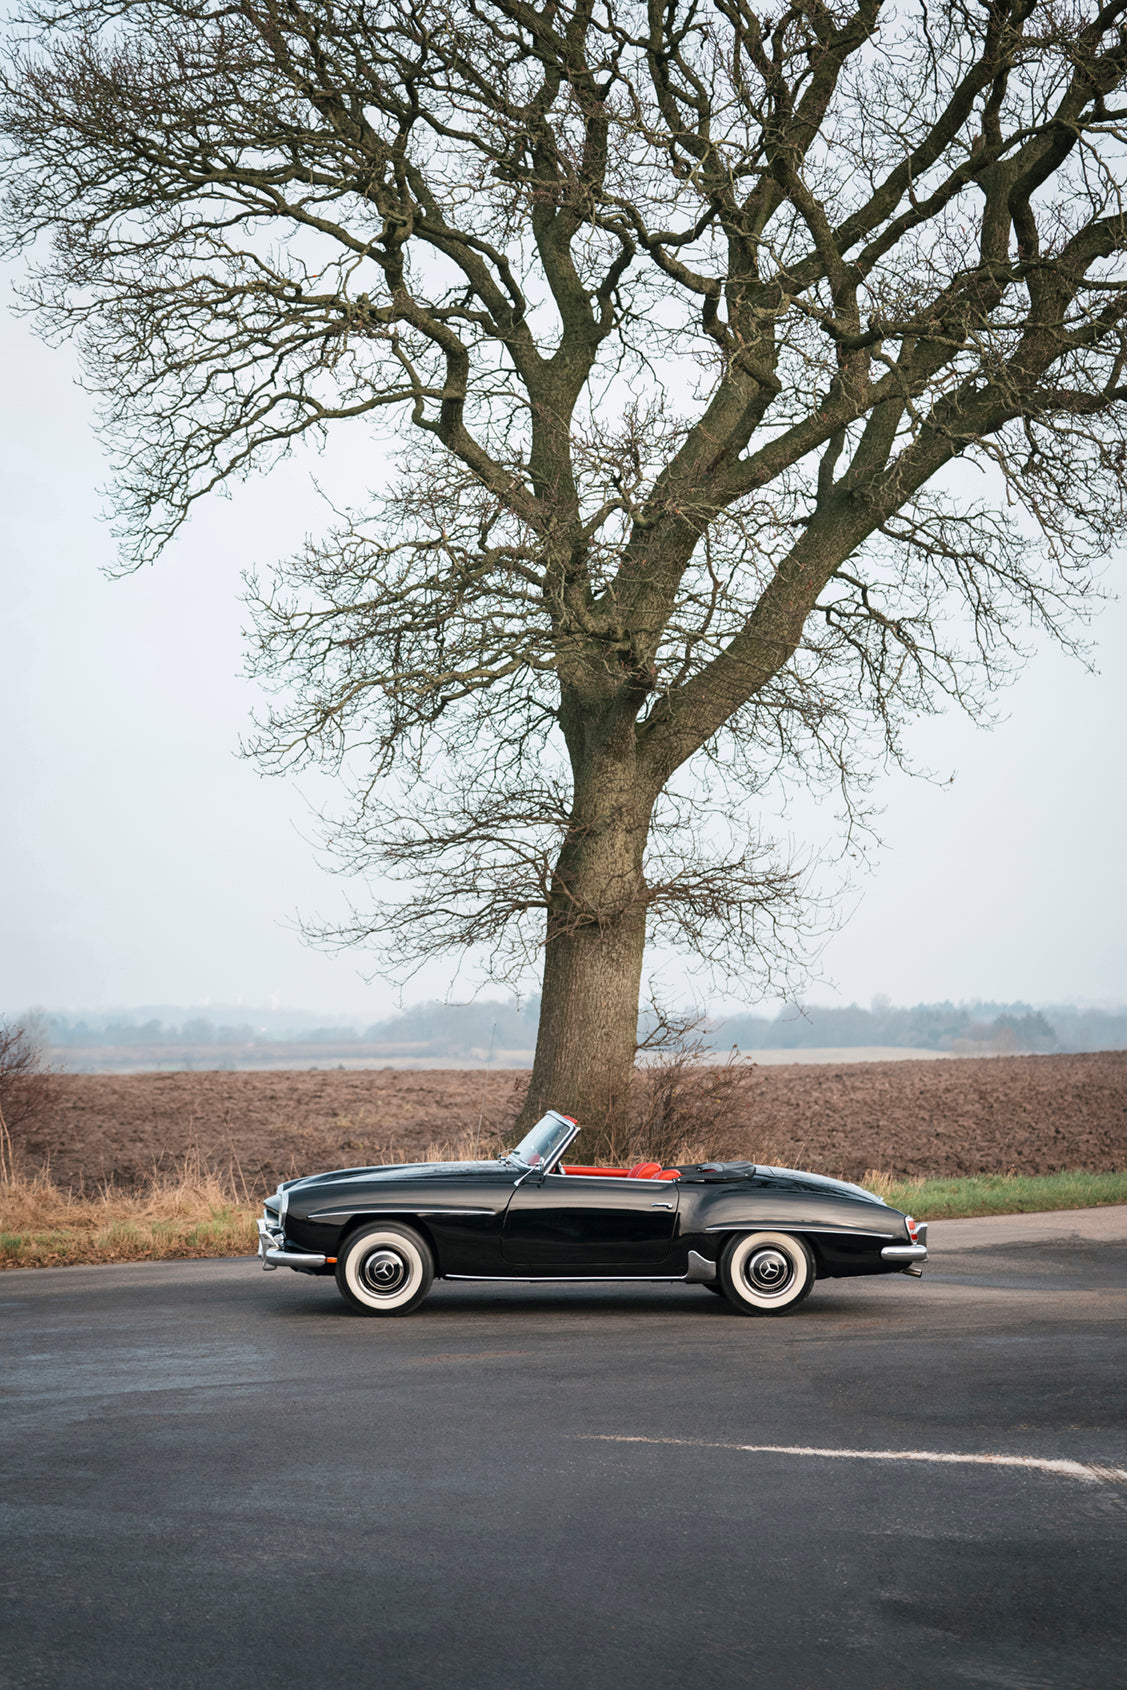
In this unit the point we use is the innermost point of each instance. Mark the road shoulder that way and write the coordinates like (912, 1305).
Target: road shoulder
(1103, 1226)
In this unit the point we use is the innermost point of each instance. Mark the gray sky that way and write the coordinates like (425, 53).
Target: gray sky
(144, 862)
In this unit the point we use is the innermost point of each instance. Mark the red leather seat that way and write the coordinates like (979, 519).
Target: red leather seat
(638, 1171)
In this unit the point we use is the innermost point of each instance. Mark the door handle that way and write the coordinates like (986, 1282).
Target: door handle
(663, 1205)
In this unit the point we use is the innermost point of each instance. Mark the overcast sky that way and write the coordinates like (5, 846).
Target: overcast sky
(144, 862)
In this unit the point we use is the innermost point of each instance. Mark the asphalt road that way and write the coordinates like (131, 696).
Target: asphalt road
(219, 1477)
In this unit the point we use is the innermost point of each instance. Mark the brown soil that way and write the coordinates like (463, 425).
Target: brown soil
(1031, 1114)
(1021, 1114)
(265, 1124)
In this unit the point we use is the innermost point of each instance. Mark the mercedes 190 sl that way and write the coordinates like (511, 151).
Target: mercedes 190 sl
(757, 1236)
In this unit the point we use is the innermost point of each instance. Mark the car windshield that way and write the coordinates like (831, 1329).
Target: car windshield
(543, 1142)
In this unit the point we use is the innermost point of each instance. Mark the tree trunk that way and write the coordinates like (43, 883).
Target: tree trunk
(596, 936)
(587, 1039)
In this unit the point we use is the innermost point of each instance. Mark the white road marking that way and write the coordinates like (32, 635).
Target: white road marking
(1090, 1472)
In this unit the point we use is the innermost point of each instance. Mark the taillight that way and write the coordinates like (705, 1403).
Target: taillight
(913, 1229)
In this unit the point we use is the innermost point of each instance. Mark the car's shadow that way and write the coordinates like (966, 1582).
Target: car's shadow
(501, 1301)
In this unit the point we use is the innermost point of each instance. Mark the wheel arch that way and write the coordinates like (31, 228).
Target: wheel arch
(365, 1217)
(721, 1239)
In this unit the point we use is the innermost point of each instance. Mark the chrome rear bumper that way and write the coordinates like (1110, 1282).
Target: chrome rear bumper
(910, 1258)
(904, 1253)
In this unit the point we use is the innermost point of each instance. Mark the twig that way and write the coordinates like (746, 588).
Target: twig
(485, 1082)
(7, 1156)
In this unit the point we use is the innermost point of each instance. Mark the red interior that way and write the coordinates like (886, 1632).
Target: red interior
(625, 1173)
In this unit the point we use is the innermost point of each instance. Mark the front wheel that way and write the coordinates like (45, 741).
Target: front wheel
(385, 1270)
(766, 1272)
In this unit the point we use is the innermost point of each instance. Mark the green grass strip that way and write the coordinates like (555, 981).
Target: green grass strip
(999, 1194)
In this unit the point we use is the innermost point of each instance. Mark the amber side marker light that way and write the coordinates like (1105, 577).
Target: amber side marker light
(330, 1261)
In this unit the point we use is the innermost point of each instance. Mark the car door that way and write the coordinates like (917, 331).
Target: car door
(575, 1224)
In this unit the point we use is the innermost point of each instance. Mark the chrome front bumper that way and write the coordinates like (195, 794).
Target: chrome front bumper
(273, 1253)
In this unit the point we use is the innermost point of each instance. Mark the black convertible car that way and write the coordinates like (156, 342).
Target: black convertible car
(758, 1236)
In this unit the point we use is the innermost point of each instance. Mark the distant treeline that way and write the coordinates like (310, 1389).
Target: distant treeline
(958, 1028)
(66, 1032)
(478, 1029)
(429, 1029)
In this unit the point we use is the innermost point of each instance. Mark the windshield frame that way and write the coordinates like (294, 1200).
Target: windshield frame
(565, 1129)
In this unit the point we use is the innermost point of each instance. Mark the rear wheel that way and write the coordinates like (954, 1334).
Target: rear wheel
(766, 1272)
(385, 1269)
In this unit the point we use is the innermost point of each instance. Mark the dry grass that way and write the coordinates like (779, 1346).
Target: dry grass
(185, 1210)
(183, 1214)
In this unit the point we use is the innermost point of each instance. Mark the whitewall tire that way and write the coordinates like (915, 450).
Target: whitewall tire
(385, 1269)
(766, 1272)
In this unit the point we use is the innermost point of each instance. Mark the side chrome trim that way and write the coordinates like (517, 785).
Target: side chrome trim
(850, 1231)
(904, 1253)
(457, 1211)
(701, 1270)
(407, 1209)
(572, 1278)
(796, 1226)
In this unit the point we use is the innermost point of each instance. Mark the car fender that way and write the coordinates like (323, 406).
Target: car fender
(400, 1217)
(843, 1235)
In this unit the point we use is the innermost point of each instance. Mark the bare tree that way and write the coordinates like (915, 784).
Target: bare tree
(27, 1085)
(683, 312)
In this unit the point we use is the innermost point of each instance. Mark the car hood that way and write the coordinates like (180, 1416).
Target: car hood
(392, 1173)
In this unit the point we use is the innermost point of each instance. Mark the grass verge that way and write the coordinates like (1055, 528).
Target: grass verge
(222, 1231)
(997, 1194)
(183, 1212)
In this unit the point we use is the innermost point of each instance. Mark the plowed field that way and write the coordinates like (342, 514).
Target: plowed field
(1031, 1114)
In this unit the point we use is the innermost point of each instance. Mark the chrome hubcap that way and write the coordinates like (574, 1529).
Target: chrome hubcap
(769, 1272)
(384, 1272)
